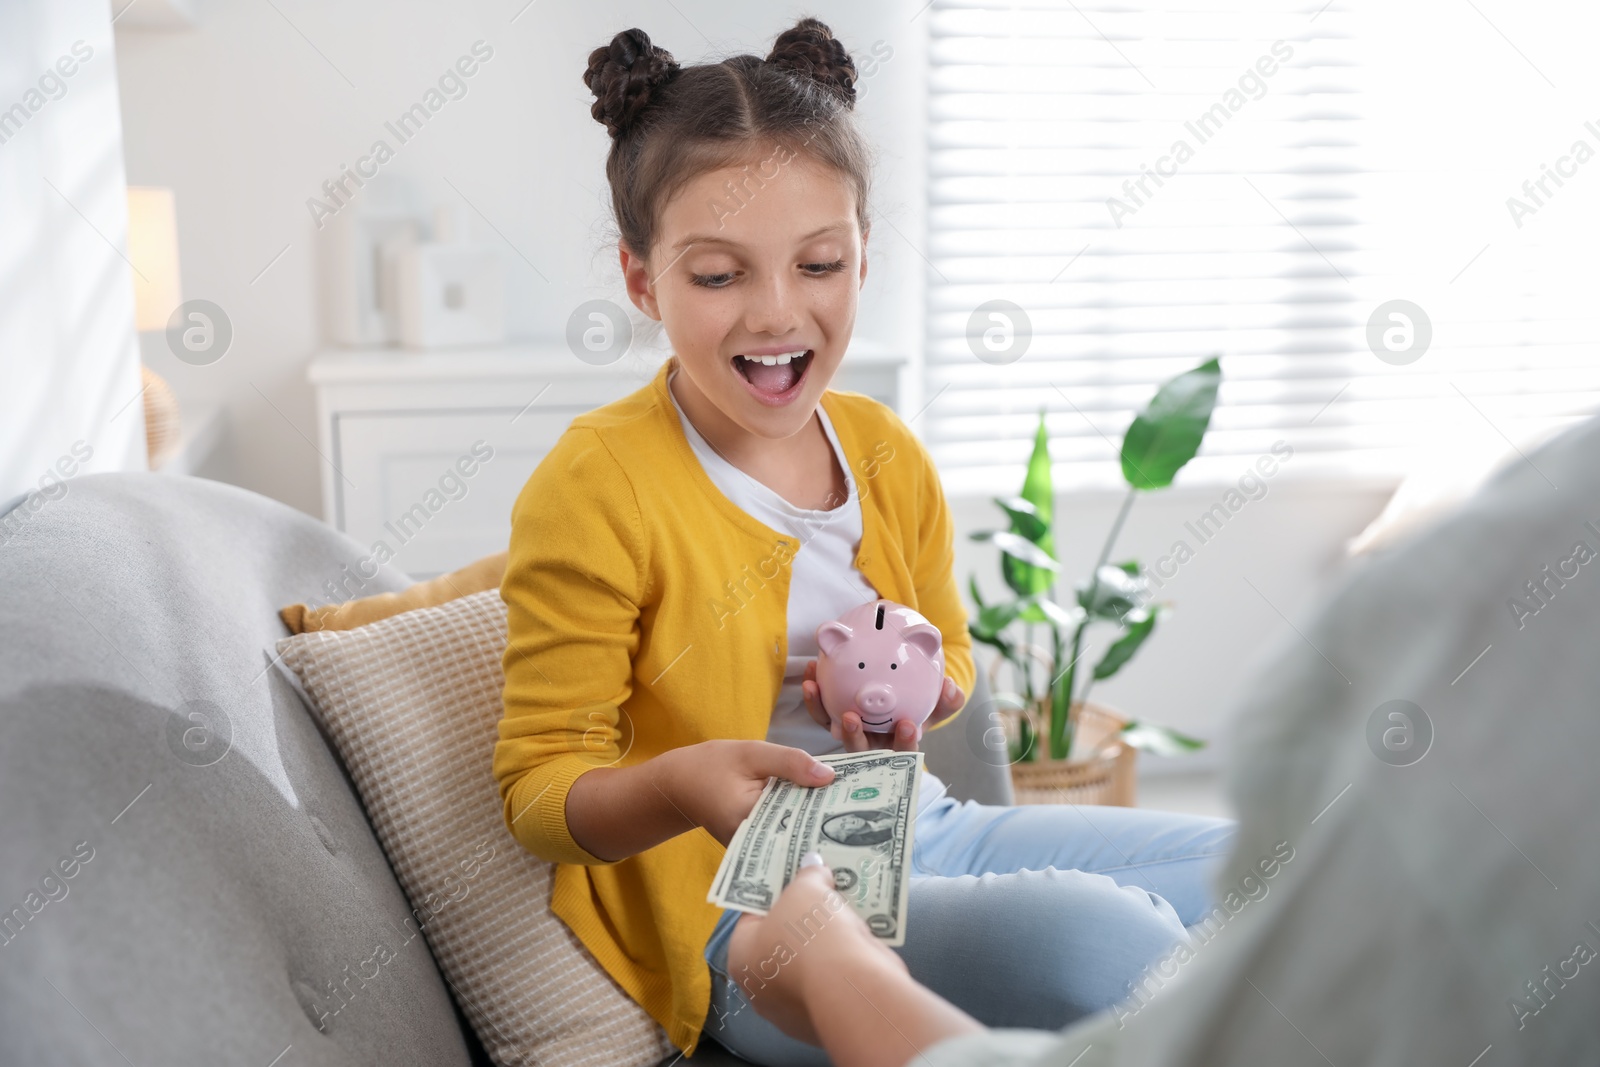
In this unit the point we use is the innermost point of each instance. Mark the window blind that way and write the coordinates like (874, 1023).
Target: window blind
(1152, 187)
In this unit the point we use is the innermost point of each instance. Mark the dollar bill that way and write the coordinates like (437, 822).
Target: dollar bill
(861, 822)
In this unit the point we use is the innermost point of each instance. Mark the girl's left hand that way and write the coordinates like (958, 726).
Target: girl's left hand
(906, 737)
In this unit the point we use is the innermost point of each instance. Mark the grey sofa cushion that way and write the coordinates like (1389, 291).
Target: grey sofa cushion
(216, 909)
(969, 753)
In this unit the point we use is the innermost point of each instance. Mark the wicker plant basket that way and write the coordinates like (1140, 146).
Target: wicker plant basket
(1109, 776)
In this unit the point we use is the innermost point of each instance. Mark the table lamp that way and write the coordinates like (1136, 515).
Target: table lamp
(157, 292)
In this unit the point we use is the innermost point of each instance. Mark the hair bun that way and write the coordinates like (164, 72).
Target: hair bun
(625, 77)
(809, 48)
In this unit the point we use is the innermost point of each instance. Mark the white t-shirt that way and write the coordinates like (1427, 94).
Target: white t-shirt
(823, 583)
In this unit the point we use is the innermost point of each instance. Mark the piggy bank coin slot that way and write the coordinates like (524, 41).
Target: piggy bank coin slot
(879, 624)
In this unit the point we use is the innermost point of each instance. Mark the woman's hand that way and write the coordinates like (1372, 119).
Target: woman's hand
(811, 935)
(905, 738)
(715, 784)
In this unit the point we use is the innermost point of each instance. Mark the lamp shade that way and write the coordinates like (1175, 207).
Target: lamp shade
(153, 251)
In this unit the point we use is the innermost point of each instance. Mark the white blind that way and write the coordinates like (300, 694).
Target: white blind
(1284, 217)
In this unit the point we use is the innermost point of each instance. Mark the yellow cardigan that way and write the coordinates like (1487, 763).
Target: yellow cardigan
(647, 611)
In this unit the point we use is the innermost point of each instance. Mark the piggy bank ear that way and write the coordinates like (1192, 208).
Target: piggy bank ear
(831, 636)
(925, 638)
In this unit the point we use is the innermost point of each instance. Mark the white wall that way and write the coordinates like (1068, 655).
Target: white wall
(248, 114)
(69, 372)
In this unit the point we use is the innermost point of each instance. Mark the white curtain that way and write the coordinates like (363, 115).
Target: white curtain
(69, 357)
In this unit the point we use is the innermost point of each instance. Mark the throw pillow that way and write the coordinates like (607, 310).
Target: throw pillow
(473, 578)
(412, 703)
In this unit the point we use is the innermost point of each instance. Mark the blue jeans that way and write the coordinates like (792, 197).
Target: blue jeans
(1029, 916)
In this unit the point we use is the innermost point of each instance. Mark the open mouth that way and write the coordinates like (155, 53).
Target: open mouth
(774, 380)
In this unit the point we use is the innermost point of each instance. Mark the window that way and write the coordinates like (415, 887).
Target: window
(69, 356)
(1152, 187)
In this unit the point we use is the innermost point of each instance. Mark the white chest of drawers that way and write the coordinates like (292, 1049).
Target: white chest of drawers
(403, 436)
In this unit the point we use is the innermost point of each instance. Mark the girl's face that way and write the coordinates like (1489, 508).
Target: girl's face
(773, 271)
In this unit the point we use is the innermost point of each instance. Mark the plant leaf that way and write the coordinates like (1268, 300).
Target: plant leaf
(1160, 740)
(1024, 551)
(1025, 576)
(1018, 503)
(1025, 748)
(1115, 594)
(1025, 520)
(1167, 433)
(972, 585)
(1000, 643)
(996, 617)
(1037, 488)
(1122, 651)
(1061, 729)
(1052, 612)
(1030, 611)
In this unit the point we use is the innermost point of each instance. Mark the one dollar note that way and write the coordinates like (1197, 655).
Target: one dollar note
(862, 824)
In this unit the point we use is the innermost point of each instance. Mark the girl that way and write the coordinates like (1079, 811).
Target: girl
(674, 553)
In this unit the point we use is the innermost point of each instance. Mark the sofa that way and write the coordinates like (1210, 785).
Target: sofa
(173, 902)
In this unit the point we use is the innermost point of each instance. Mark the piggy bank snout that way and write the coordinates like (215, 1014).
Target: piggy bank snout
(875, 699)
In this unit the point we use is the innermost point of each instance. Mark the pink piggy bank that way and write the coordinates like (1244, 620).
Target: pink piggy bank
(884, 660)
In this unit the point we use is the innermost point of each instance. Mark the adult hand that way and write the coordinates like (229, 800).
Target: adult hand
(716, 783)
(906, 738)
(811, 935)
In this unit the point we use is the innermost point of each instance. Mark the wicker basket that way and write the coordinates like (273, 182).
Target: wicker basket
(1107, 777)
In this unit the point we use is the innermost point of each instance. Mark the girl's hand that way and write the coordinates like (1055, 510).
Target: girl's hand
(906, 738)
(780, 969)
(715, 784)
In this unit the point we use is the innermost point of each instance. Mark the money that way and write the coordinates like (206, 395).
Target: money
(861, 822)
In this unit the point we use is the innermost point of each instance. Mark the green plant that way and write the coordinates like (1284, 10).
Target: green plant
(1162, 438)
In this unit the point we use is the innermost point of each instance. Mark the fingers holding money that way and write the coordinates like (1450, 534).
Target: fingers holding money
(764, 945)
(867, 829)
(760, 941)
(716, 783)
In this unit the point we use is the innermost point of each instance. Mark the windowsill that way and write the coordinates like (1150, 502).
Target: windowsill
(1205, 487)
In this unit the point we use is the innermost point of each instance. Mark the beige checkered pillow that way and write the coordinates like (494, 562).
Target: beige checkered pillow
(412, 703)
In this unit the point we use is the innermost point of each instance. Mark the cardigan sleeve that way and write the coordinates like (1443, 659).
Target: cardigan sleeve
(933, 574)
(572, 589)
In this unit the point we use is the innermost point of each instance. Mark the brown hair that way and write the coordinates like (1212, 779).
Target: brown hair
(669, 124)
